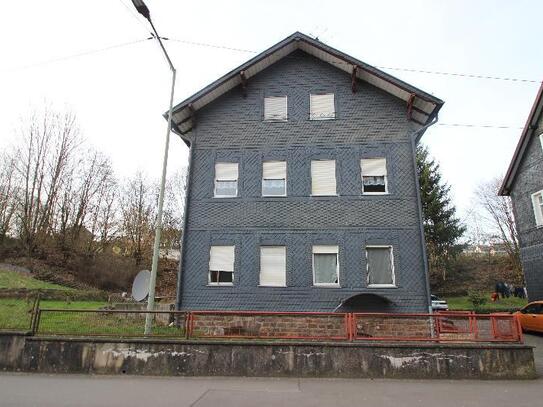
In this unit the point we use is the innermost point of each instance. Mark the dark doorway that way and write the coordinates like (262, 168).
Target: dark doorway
(366, 303)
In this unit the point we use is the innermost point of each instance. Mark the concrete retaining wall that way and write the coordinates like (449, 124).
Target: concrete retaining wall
(296, 359)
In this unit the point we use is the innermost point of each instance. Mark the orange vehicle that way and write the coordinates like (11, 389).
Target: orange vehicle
(531, 316)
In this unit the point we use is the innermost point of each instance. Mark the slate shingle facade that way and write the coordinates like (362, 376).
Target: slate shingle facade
(369, 123)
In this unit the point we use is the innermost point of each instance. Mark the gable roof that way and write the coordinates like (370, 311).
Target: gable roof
(424, 107)
(525, 137)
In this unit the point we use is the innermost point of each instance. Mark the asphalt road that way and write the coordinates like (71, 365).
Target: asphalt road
(77, 390)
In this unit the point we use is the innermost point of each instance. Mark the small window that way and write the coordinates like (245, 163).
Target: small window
(275, 108)
(323, 177)
(541, 140)
(273, 266)
(274, 178)
(221, 265)
(380, 266)
(325, 266)
(322, 107)
(226, 180)
(374, 176)
(537, 203)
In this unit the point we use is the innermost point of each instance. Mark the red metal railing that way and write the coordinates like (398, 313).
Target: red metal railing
(323, 326)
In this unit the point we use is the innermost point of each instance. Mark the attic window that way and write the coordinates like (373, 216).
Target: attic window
(322, 107)
(275, 108)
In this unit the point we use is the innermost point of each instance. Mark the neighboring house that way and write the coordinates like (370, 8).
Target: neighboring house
(303, 191)
(524, 183)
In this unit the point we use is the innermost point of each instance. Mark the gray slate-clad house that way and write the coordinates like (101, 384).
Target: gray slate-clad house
(302, 191)
(524, 183)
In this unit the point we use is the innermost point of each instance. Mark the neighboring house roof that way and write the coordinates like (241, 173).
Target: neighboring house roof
(423, 107)
(525, 137)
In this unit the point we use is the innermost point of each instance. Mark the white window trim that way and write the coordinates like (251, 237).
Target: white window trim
(393, 285)
(322, 118)
(541, 140)
(384, 175)
(537, 207)
(275, 179)
(260, 271)
(326, 285)
(286, 112)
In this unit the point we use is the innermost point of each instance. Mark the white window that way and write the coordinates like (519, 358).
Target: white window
(541, 140)
(275, 108)
(380, 266)
(273, 260)
(325, 266)
(374, 175)
(323, 177)
(226, 180)
(322, 107)
(221, 265)
(274, 178)
(537, 203)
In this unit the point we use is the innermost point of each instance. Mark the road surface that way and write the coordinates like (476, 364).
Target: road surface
(24, 390)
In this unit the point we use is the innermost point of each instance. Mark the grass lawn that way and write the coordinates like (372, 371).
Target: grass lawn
(12, 279)
(505, 304)
(15, 314)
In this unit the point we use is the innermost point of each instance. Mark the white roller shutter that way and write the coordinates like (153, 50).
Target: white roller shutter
(221, 258)
(373, 167)
(323, 177)
(273, 265)
(274, 170)
(322, 107)
(275, 108)
(537, 203)
(226, 171)
(325, 249)
(541, 140)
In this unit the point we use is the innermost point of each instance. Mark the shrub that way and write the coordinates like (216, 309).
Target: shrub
(477, 299)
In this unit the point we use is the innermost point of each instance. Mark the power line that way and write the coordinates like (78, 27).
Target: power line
(465, 75)
(136, 17)
(483, 126)
(80, 54)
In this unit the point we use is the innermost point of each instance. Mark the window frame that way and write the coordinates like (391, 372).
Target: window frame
(260, 267)
(335, 176)
(209, 270)
(216, 181)
(274, 179)
(311, 106)
(264, 109)
(537, 207)
(326, 285)
(385, 175)
(391, 251)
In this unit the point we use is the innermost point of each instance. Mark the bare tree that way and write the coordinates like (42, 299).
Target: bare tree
(9, 190)
(49, 140)
(498, 212)
(138, 208)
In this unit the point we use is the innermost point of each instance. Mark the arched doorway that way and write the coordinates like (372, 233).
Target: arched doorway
(365, 302)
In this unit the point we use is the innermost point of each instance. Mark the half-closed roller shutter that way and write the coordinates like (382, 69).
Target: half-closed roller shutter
(373, 167)
(273, 265)
(226, 171)
(275, 108)
(323, 177)
(274, 170)
(221, 258)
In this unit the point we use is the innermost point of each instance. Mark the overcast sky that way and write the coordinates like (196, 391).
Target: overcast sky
(119, 94)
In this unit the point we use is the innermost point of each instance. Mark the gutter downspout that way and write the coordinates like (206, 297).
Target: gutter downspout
(184, 232)
(415, 137)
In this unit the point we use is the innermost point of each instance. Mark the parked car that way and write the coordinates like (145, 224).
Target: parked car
(531, 317)
(438, 304)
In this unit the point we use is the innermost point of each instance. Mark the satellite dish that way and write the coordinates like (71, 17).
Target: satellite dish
(140, 287)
